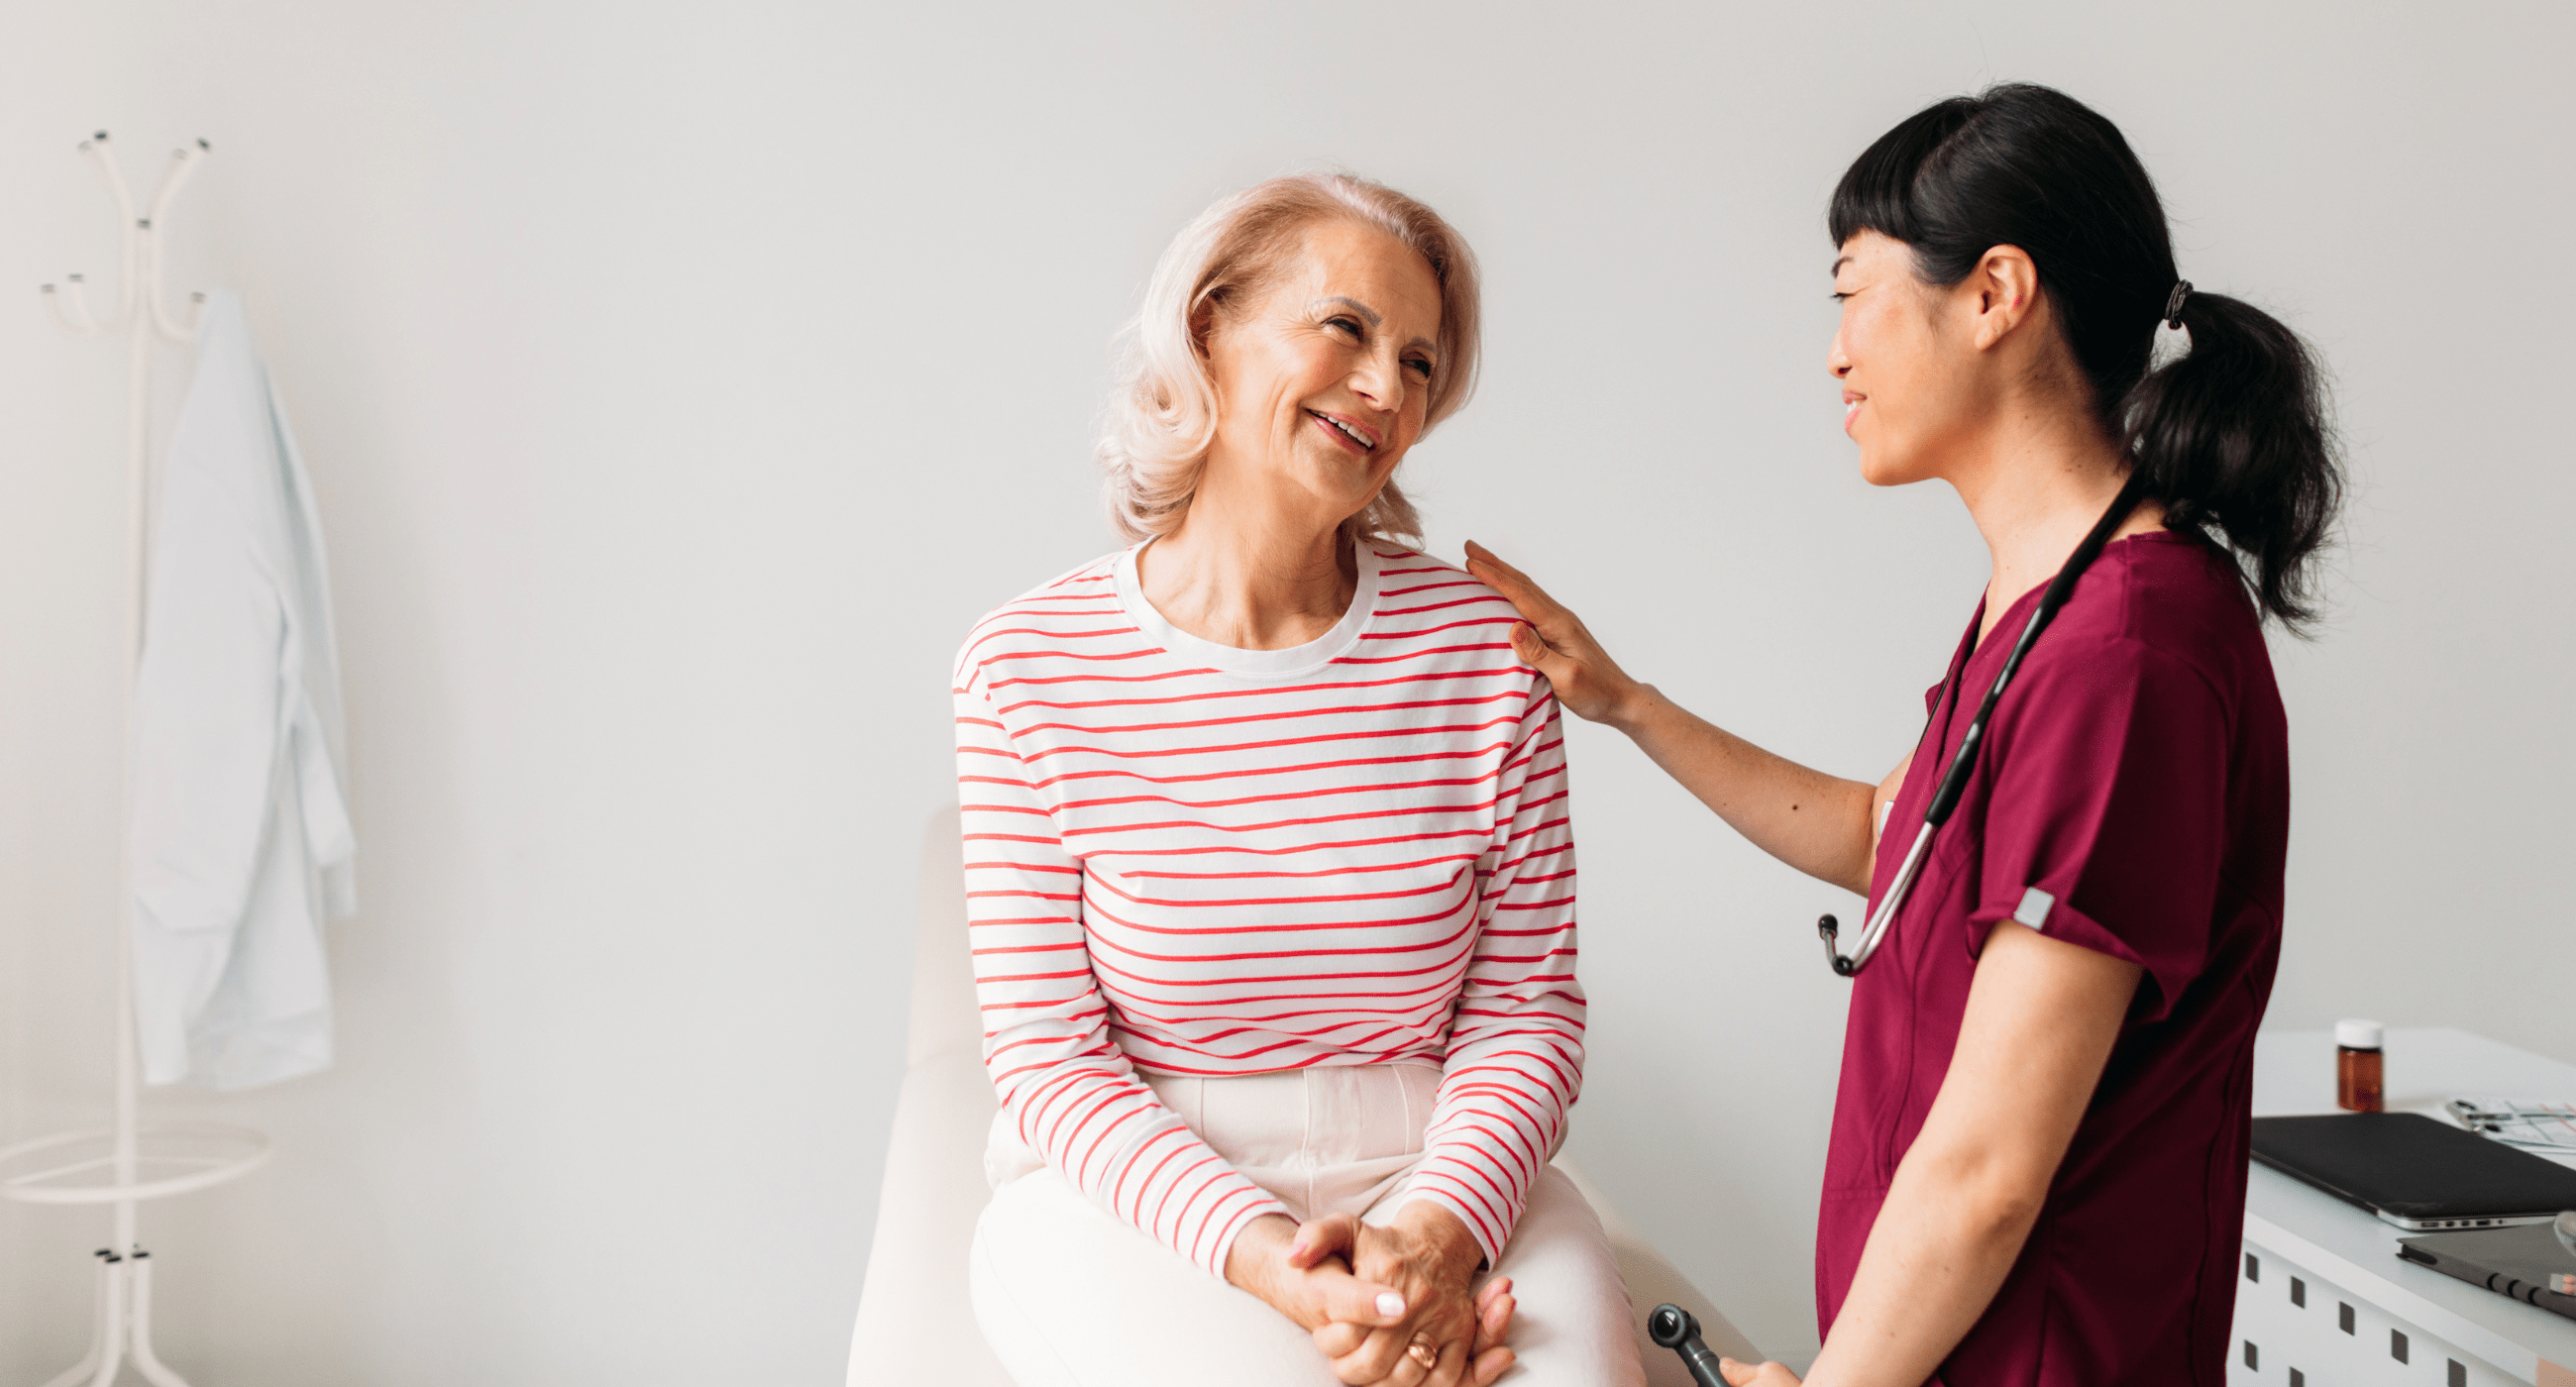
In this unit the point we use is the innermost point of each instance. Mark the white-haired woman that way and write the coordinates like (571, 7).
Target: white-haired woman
(1270, 869)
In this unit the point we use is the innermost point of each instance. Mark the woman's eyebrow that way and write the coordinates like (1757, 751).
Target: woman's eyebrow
(1354, 305)
(1838, 266)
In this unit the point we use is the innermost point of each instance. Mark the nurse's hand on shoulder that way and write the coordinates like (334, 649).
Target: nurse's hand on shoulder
(1755, 1374)
(1588, 682)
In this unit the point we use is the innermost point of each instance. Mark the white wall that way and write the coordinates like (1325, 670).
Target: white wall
(680, 382)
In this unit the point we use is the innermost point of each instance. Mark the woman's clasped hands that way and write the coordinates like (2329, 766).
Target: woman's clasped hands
(1381, 1300)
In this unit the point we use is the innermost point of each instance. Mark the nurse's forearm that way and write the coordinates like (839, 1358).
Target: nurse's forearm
(1815, 822)
(1940, 1249)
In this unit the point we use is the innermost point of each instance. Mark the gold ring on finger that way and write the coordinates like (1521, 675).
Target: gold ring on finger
(1420, 1350)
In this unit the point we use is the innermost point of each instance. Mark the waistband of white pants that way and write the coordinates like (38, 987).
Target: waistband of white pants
(1317, 1116)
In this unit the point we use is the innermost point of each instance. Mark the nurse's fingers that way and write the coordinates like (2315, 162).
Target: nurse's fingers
(1557, 629)
(1509, 581)
(1755, 1374)
(1553, 641)
(1534, 651)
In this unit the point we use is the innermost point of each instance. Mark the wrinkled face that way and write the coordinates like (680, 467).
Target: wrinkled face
(1914, 387)
(1323, 378)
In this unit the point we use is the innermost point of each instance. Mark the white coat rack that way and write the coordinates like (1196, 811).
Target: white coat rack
(125, 1163)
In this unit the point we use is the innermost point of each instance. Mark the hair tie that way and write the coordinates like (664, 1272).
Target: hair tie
(2173, 303)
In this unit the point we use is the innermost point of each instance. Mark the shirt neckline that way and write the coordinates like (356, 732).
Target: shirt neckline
(1289, 663)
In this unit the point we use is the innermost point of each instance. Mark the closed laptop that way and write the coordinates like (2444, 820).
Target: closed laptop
(2414, 1171)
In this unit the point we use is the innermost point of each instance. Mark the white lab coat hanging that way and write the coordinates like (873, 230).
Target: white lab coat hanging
(242, 848)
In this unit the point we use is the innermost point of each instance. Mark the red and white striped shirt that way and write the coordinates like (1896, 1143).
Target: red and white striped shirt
(1190, 859)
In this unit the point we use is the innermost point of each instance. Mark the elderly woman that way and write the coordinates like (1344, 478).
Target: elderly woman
(1270, 870)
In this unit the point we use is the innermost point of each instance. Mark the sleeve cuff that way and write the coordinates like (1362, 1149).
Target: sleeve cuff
(1222, 1246)
(2064, 923)
(1490, 1235)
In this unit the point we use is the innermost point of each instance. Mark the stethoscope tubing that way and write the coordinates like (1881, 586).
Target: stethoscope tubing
(1954, 779)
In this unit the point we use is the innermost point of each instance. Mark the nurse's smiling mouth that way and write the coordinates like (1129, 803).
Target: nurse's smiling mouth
(1851, 408)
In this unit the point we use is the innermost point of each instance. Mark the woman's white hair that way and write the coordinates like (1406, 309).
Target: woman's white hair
(1161, 418)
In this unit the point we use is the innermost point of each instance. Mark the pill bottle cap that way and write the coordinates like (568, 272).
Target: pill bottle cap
(2357, 1035)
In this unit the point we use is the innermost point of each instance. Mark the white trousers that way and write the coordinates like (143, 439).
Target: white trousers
(1069, 1295)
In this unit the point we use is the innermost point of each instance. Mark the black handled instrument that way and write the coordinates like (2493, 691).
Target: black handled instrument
(1674, 1328)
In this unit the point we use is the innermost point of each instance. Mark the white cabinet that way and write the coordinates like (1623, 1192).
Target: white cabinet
(2295, 1328)
(2322, 1299)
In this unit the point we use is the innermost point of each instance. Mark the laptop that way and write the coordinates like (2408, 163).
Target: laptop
(2419, 1173)
(2527, 1263)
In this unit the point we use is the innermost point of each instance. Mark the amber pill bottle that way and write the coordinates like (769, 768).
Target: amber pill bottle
(2357, 1066)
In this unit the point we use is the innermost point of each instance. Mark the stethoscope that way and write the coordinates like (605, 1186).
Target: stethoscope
(1955, 779)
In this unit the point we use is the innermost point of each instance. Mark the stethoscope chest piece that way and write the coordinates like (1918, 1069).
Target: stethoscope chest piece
(1827, 927)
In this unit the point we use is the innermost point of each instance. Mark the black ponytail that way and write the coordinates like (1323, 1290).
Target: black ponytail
(2233, 436)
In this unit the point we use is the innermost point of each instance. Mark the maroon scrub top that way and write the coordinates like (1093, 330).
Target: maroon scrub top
(2137, 773)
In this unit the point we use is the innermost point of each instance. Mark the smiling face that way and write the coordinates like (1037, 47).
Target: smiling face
(1916, 387)
(1323, 378)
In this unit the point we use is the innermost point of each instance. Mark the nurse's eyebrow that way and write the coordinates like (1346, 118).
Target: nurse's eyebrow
(1355, 306)
(1838, 265)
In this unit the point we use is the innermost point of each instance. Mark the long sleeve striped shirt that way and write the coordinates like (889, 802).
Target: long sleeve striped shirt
(1189, 859)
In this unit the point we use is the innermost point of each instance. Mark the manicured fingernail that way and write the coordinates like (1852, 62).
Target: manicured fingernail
(1389, 1303)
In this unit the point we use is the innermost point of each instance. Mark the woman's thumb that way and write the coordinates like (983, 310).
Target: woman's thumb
(1353, 1301)
(1334, 1235)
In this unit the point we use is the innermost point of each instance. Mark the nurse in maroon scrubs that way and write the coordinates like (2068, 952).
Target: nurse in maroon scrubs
(2037, 1168)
